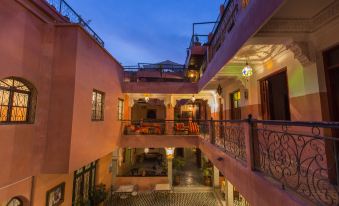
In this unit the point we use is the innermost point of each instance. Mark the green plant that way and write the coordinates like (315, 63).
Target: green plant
(178, 163)
(98, 194)
(207, 171)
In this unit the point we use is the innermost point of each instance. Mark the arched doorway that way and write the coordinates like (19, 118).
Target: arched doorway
(197, 110)
(153, 109)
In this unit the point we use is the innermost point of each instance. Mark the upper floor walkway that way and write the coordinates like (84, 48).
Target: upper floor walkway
(296, 163)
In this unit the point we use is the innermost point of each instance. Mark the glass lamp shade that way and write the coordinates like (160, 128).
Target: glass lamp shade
(247, 71)
(146, 99)
(193, 99)
(169, 152)
(146, 150)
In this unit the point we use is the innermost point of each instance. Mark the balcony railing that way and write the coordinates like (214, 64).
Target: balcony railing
(62, 7)
(155, 72)
(301, 156)
(165, 127)
(224, 25)
(221, 27)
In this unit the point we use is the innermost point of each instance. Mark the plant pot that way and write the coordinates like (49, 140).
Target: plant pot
(176, 180)
(207, 180)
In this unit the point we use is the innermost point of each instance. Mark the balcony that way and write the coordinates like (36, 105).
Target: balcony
(164, 77)
(300, 158)
(70, 15)
(237, 21)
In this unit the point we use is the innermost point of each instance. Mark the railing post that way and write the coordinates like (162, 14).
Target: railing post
(253, 143)
(212, 131)
(60, 6)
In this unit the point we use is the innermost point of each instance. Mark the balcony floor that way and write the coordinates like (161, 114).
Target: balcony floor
(172, 199)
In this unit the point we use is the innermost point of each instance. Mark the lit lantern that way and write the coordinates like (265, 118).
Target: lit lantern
(146, 97)
(219, 90)
(146, 150)
(193, 99)
(169, 152)
(247, 71)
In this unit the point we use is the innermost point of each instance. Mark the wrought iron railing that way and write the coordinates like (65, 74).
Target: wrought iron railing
(72, 16)
(226, 22)
(302, 156)
(155, 72)
(221, 27)
(230, 137)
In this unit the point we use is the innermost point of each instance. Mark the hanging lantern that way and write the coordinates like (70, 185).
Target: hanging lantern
(219, 90)
(247, 71)
(169, 152)
(193, 98)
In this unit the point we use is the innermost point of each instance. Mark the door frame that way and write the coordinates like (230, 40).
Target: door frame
(282, 70)
(329, 145)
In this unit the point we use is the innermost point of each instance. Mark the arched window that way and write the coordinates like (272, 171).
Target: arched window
(15, 101)
(15, 202)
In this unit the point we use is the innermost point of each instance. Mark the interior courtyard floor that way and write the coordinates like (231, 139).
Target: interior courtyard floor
(170, 199)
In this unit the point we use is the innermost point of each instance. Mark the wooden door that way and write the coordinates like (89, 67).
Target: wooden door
(274, 97)
(331, 61)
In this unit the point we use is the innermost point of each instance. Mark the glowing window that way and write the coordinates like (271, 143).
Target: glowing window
(120, 109)
(97, 105)
(15, 101)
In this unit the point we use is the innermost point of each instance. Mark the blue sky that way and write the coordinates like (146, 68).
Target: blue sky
(146, 30)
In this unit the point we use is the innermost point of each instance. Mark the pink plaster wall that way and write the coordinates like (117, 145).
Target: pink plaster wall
(64, 64)
(25, 52)
(95, 69)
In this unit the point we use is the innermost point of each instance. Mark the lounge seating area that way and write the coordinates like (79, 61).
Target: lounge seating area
(180, 128)
(144, 129)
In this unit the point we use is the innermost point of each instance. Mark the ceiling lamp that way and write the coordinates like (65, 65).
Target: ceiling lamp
(146, 97)
(247, 71)
(146, 150)
(219, 90)
(169, 152)
(193, 98)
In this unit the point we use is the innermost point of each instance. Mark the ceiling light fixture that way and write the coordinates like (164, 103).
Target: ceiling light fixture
(247, 71)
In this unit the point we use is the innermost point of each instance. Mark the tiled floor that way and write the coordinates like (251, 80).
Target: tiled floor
(190, 175)
(172, 199)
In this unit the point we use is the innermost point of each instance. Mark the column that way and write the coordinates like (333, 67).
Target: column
(170, 171)
(216, 183)
(230, 196)
(169, 116)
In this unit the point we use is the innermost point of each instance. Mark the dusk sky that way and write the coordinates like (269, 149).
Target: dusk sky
(147, 31)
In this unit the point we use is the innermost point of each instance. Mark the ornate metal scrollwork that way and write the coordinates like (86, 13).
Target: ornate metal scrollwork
(298, 161)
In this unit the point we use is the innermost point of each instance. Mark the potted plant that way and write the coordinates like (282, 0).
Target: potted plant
(207, 172)
(178, 164)
(98, 194)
